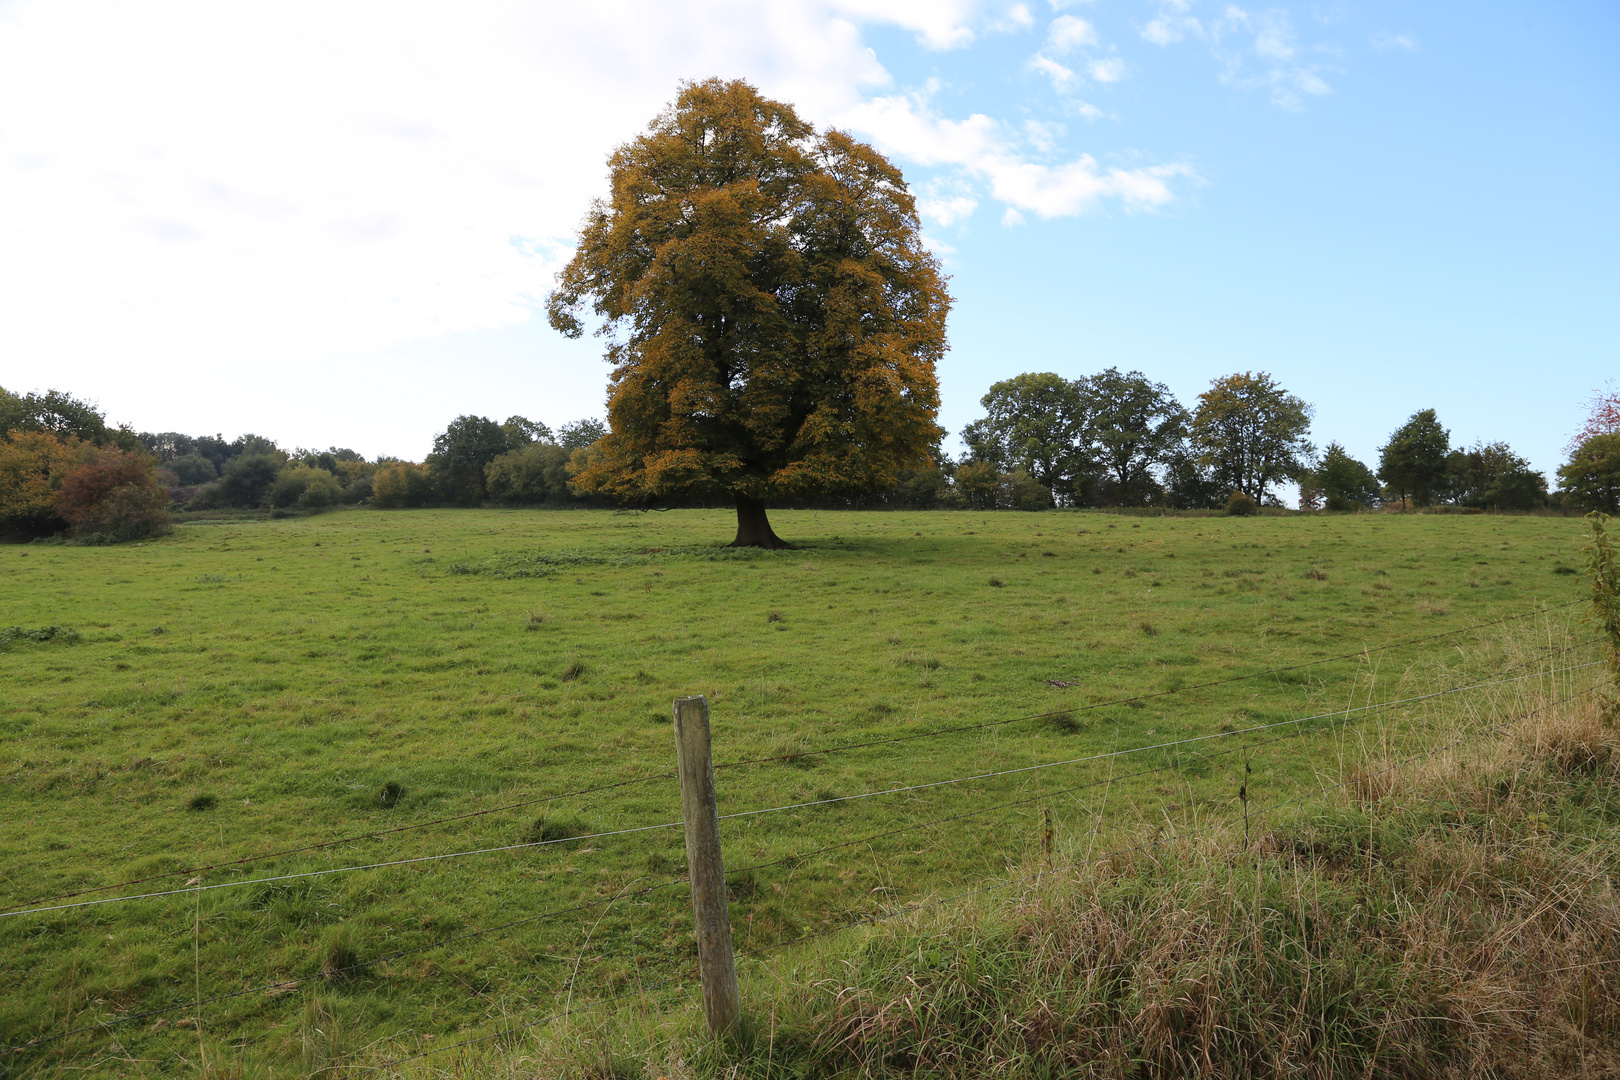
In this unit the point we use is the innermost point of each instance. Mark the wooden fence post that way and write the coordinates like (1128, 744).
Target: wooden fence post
(722, 1004)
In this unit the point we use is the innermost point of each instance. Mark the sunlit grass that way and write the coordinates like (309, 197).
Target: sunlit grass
(245, 687)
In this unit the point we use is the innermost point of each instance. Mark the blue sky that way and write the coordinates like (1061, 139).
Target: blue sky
(309, 222)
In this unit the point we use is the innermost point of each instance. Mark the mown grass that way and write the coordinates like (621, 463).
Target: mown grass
(248, 687)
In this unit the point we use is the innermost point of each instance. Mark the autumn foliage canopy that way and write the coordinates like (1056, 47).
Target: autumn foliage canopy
(772, 317)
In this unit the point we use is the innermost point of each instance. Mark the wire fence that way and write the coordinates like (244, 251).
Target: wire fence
(1246, 740)
(796, 755)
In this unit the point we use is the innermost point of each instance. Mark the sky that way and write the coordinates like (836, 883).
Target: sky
(335, 223)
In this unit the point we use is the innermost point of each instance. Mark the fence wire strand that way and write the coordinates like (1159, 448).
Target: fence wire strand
(840, 748)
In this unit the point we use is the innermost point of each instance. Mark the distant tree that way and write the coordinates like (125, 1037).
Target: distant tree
(59, 413)
(1491, 475)
(1413, 462)
(1250, 433)
(580, 433)
(1602, 417)
(779, 316)
(1189, 485)
(1591, 478)
(254, 445)
(397, 485)
(33, 465)
(1135, 425)
(521, 431)
(303, 485)
(533, 474)
(244, 482)
(114, 496)
(1019, 490)
(976, 481)
(926, 489)
(1345, 483)
(1037, 424)
(459, 456)
(192, 469)
(214, 448)
(168, 445)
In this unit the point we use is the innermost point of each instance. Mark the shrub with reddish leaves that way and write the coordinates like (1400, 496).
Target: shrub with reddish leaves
(114, 496)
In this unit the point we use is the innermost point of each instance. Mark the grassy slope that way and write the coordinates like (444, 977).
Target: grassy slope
(290, 669)
(1449, 915)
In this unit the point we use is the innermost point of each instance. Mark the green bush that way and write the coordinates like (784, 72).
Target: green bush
(398, 484)
(192, 469)
(245, 482)
(304, 486)
(536, 473)
(1241, 505)
(1021, 491)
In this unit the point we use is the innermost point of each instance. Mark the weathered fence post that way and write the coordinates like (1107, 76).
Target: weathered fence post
(717, 968)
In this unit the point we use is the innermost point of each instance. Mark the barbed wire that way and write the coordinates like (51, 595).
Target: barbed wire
(799, 857)
(1146, 697)
(189, 871)
(339, 870)
(1143, 749)
(1227, 823)
(189, 890)
(32, 905)
(559, 1015)
(332, 973)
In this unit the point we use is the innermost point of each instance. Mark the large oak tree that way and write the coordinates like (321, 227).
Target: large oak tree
(772, 317)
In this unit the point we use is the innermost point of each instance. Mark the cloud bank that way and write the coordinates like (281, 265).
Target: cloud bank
(197, 189)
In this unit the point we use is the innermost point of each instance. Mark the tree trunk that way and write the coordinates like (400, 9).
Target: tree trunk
(753, 527)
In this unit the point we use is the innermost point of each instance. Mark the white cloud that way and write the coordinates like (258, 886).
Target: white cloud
(1394, 41)
(1074, 188)
(195, 192)
(1068, 33)
(938, 24)
(1109, 70)
(1062, 77)
(1011, 218)
(1043, 135)
(1014, 19)
(946, 201)
(1087, 110)
(1274, 38)
(979, 146)
(1272, 42)
(1172, 24)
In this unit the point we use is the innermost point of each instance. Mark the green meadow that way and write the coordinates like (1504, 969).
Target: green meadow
(247, 687)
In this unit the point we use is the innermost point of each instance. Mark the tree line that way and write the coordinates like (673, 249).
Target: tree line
(1110, 439)
(1121, 439)
(65, 472)
(774, 322)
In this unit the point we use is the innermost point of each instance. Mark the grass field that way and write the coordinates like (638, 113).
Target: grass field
(246, 687)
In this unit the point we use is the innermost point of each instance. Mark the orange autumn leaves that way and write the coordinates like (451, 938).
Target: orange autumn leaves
(48, 481)
(773, 319)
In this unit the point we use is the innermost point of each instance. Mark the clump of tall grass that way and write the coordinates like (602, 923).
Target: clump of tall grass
(1449, 921)
(1446, 911)
(12, 636)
